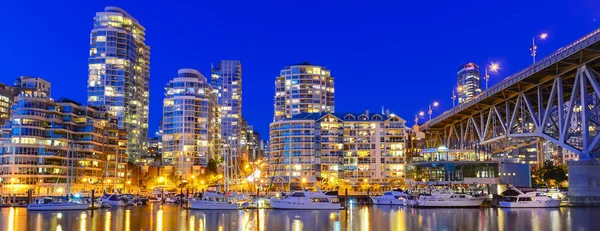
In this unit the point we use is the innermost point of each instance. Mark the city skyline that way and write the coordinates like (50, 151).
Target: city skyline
(261, 69)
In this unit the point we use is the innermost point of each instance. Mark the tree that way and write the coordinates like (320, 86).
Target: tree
(550, 175)
(212, 166)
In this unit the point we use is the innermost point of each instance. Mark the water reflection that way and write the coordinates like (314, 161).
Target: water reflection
(167, 217)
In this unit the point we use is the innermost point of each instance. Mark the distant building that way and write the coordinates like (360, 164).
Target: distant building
(6, 99)
(469, 82)
(189, 123)
(119, 74)
(254, 143)
(32, 87)
(303, 88)
(45, 137)
(338, 148)
(226, 80)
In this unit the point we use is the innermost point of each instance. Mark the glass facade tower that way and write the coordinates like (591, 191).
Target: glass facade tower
(303, 88)
(226, 80)
(190, 119)
(469, 82)
(119, 74)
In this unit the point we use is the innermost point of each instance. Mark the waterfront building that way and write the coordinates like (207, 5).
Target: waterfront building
(6, 99)
(469, 82)
(338, 148)
(458, 167)
(226, 80)
(189, 120)
(119, 74)
(303, 88)
(44, 137)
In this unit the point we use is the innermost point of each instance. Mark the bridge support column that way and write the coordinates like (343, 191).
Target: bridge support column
(584, 182)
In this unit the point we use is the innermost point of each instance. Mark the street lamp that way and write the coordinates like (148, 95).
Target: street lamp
(453, 98)
(494, 67)
(432, 107)
(418, 116)
(533, 47)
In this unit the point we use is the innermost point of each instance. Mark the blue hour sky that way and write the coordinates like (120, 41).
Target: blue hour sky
(399, 54)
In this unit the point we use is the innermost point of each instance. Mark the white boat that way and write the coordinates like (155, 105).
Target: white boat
(391, 198)
(154, 200)
(214, 201)
(447, 198)
(529, 200)
(48, 204)
(112, 201)
(307, 200)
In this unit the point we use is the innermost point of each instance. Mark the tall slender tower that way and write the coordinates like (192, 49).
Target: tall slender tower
(303, 88)
(119, 74)
(469, 82)
(226, 79)
(188, 122)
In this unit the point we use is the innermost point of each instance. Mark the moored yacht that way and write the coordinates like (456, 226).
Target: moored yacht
(112, 201)
(447, 198)
(393, 197)
(529, 200)
(49, 204)
(307, 200)
(214, 201)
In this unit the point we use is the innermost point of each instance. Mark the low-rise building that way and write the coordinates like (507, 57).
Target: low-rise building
(334, 149)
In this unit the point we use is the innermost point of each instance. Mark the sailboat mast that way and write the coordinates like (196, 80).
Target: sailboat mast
(116, 169)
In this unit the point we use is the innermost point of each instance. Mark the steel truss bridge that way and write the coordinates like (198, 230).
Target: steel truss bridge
(556, 99)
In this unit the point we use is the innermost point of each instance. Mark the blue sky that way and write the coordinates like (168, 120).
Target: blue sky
(399, 54)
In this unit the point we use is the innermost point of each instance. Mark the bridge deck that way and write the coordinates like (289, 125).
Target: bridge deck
(564, 60)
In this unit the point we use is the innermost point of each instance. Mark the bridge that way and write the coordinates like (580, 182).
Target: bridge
(555, 99)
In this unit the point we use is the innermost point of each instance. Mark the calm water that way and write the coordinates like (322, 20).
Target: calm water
(171, 217)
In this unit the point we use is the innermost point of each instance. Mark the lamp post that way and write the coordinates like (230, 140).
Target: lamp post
(493, 68)
(418, 116)
(453, 98)
(533, 47)
(432, 107)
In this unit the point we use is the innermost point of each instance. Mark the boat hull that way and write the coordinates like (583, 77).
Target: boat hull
(530, 204)
(208, 205)
(388, 201)
(472, 203)
(112, 203)
(58, 207)
(276, 204)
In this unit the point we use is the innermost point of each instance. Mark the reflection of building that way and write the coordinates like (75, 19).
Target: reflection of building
(44, 137)
(336, 147)
(119, 74)
(6, 99)
(469, 83)
(451, 166)
(188, 122)
(226, 80)
(303, 88)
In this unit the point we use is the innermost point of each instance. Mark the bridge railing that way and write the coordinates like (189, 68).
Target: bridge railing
(545, 62)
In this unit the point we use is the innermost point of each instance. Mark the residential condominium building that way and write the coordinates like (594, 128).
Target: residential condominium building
(190, 123)
(46, 140)
(303, 88)
(338, 148)
(226, 80)
(469, 82)
(6, 99)
(119, 74)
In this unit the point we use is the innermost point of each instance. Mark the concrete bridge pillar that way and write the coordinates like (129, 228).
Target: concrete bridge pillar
(584, 182)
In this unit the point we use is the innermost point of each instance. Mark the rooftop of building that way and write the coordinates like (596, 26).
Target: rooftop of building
(346, 116)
